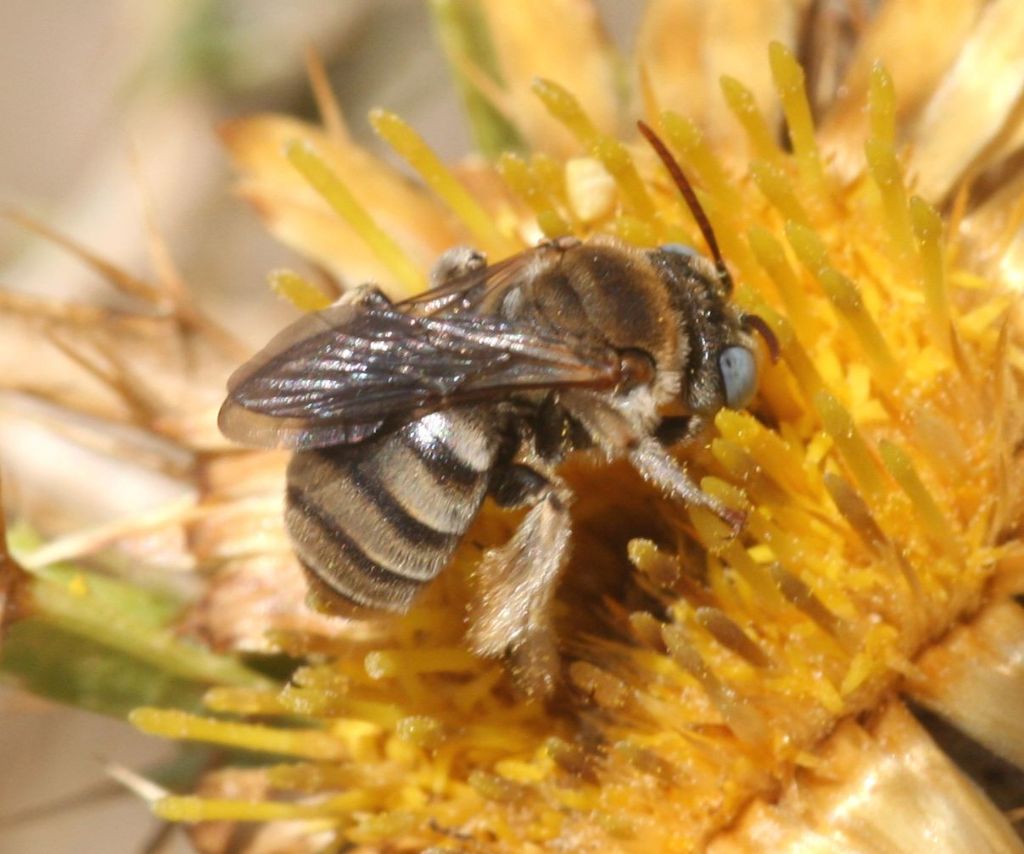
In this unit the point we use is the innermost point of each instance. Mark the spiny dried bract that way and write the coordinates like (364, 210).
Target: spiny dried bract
(881, 786)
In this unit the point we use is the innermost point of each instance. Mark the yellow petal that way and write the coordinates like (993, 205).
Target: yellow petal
(303, 220)
(917, 41)
(686, 46)
(560, 40)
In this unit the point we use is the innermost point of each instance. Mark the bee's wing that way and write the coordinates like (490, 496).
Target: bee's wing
(477, 291)
(341, 375)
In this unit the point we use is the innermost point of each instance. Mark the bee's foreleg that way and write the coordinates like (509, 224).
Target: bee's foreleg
(555, 432)
(659, 467)
(517, 580)
(679, 428)
(454, 263)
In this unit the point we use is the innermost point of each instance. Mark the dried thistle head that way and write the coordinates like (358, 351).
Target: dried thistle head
(734, 694)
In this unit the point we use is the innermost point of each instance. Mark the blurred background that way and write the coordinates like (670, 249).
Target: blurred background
(109, 111)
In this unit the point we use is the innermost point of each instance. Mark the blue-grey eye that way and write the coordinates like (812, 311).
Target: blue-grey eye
(680, 249)
(739, 375)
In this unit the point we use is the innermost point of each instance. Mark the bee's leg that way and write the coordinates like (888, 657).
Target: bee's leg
(555, 432)
(369, 295)
(567, 241)
(658, 466)
(679, 428)
(517, 580)
(454, 263)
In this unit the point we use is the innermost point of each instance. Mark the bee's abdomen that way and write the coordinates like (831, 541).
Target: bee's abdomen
(374, 522)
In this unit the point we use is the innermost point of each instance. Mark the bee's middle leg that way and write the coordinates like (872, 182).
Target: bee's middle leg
(368, 295)
(679, 429)
(517, 580)
(454, 263)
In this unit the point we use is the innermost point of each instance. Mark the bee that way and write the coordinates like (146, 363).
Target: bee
(404, 416)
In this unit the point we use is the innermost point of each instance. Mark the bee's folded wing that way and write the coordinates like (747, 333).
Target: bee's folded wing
(343, 374)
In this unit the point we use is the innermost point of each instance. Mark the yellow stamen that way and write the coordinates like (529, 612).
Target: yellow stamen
(525, 184)
(741, 101)
(772, 257)
(733, 246)
(808, 246)
(778, 459)
(421, 730)
(885, 171)
(619, 162)
(300, 292)
(381, 664)
(851, 445)
(551, 175)
(927, 226)
(882, 107)
(684, 135)
(564, 107)
(761, 489)
(778, 188)
(385, 827)
(413, 149)
(170, 723)
(742, 718)
(846, 298)
(803, 598)
(788, 75)
(903, 472)
(799, 362)
(856, 512)
(614, 156)
(243, 701)
(320, 176)
(193, 809)
(730, 635)
(755, 574)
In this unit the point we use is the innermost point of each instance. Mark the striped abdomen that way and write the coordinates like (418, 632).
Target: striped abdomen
(374, 522)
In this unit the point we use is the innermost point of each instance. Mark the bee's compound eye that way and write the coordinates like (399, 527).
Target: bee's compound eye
(739, 375)
(680, 249)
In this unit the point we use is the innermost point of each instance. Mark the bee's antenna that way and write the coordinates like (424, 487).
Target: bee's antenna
(681, 181)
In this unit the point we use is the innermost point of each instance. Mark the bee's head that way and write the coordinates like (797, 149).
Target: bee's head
(719, 364)
(717, 349)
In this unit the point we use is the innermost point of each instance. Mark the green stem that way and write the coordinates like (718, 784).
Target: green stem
(464, 36)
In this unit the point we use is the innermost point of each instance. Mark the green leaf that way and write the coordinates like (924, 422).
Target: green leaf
(68, 668)
(108, 645)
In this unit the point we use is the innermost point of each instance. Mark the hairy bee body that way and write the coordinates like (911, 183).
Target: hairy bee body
(372, 523)
(405, 416)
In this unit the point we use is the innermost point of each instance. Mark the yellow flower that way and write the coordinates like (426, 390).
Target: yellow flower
(729, 693)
